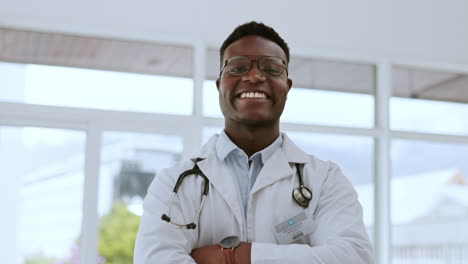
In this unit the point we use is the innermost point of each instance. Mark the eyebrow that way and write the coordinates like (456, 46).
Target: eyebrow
(261, 56)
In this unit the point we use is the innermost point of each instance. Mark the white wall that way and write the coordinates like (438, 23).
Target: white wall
(422, 31)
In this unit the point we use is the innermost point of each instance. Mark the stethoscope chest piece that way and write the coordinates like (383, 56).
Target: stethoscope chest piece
(302, 195)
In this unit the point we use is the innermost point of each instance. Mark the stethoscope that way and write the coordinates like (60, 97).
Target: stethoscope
(302, 195)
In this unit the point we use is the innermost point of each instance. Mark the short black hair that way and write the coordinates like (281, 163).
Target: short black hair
(256, 29)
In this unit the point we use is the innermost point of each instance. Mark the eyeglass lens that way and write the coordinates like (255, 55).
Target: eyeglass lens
(269, 66)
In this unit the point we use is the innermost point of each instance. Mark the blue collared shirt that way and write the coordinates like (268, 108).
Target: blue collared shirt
(238, 162)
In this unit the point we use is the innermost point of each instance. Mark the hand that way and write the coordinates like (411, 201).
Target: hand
(214, 255)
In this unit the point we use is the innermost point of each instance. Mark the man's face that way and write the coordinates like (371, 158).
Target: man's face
(270, 93)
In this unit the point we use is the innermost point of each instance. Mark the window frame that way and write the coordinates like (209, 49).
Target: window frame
(190, 128)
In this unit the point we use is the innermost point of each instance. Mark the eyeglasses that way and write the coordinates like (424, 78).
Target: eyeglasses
(240, 65)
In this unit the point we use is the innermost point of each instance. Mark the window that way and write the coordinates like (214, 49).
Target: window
(43, 167)
(429, 206)
(86, 88)
(310, 107)
(129, 75)
(354, 156)
(44, 191)
(210, 100)
(429, 210)
(129, 163)
(317, 96)
(328, 108)
(429, 101)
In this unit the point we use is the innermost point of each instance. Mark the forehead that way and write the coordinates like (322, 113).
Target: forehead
(254, 45)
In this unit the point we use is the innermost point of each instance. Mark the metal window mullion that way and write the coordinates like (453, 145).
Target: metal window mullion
(198, 77)
(409, 135)
(382, 176)
(431, 65)
(353, 131)
(16, 121)
(193, 133)
(309, 128)
(89, 227)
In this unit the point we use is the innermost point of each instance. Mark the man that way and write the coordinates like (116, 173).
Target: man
(267, 201)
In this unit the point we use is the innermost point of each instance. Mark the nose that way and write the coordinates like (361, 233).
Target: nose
(254, 75)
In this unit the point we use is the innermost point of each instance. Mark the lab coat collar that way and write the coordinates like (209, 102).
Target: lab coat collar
(292, 153)
(208, 148)
(280, 165)
(277, 167)
(225, 146)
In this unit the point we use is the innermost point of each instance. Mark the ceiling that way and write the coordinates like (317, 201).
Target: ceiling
(416, 30)
(157, 38)
(96, 53)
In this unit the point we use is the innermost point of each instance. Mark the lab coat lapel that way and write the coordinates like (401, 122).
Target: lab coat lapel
(278, 166)
(223, 183)
(275, 169)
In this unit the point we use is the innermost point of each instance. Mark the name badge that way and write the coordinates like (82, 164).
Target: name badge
(294, 228)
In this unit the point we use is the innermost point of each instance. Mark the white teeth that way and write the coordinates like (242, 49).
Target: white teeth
(253, 95)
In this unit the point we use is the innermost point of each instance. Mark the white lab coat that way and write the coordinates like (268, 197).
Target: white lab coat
(339, 234)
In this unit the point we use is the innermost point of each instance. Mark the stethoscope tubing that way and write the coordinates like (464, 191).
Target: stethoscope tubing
(192, 221)
(301, 195)
(206, 187)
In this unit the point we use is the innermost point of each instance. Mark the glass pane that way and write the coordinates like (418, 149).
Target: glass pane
(74, 87)
(44, 172)
(330, 93)
(429, 101)
(429, 204)
(129, 162)
(211, 100)
(13, 82)
(329, 108)
(429, 116)
(354, 155)
(210, 131)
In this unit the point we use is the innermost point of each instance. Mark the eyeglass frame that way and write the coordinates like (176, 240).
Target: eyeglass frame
(284, 64)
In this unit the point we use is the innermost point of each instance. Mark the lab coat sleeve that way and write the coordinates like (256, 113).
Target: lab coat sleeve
(340, 236)
(158, 241)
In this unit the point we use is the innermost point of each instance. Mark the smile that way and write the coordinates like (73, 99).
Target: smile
(258, 95)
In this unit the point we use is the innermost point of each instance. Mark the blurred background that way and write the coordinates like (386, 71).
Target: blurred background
(96, 97)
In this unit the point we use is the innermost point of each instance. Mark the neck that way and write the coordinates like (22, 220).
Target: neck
(252, 139)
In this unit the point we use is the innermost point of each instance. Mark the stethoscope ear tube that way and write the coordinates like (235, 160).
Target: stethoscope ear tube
(166, 218)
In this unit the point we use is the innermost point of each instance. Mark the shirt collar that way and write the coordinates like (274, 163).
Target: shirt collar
(225, 146)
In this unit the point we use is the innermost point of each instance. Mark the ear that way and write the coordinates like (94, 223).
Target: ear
(217, 83)
(290, 82)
